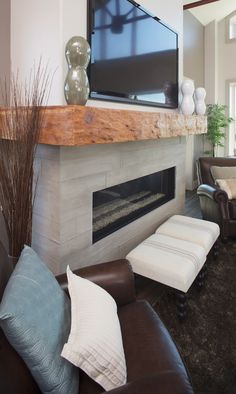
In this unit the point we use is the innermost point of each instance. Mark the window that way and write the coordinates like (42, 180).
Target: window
(231, 27)
(232, 112)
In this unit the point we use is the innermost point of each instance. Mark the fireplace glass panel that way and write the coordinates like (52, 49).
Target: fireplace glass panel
(121, 204)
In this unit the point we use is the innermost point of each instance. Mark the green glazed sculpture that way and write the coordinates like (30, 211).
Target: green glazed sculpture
(76, 87)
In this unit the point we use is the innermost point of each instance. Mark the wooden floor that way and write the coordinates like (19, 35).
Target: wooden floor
(192, 206)
(148, 289)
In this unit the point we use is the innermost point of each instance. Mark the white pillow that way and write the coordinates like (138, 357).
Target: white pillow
(95, 343)
(229, 186)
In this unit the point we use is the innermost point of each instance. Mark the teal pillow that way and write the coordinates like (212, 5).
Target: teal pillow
(35, 317)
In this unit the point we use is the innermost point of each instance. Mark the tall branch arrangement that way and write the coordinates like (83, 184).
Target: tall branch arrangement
(20, 125)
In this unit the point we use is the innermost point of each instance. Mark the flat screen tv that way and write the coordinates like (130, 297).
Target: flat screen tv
(134, 55)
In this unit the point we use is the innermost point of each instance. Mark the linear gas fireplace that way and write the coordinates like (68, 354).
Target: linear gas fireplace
(121, 204)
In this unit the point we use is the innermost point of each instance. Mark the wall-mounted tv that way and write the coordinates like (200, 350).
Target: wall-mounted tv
(134, 55)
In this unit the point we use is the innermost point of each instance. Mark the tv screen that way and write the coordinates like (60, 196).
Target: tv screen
(134, 56)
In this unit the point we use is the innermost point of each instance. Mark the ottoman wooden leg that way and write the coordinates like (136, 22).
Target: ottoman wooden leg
(216, 247)
(201, 278)
(182, 304)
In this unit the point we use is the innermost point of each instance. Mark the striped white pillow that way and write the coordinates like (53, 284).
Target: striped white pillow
(95, 342)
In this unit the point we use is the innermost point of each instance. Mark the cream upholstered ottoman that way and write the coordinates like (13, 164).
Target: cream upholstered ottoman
(176, 253)
(170, 261)
(201, 232)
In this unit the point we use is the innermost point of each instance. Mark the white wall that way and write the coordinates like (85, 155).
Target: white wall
(5, 65)
(211, 62)
(42, 28)
(220, 60)
(193, 49)
(5, 10)
(193, 66)
(226, 73)
(36, 31)
(226, 61)
(220, 66)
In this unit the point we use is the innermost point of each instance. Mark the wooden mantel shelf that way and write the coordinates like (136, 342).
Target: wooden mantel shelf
(75, 125)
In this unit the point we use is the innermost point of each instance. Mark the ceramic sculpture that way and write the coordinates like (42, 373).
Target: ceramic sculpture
(187, 103)
(199, 96)
(76, 84)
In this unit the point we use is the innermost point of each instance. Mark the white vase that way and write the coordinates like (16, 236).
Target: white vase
(187, 103)
(199, 96)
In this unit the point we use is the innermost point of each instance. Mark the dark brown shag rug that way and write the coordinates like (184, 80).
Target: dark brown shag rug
(207, 338)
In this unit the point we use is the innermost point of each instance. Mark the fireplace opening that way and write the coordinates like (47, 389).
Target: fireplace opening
(116, 206)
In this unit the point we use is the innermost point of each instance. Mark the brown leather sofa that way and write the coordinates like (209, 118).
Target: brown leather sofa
(153, 362)
(214, 202)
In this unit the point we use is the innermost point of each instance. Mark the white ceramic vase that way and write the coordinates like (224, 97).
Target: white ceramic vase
(199, 96)
(187, 104)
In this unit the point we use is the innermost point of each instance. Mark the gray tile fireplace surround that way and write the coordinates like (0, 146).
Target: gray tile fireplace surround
(67, 178)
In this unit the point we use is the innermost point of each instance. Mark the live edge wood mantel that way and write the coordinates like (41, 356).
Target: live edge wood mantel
(76, 125)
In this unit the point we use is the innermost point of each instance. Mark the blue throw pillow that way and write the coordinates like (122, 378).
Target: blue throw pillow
(35, 317)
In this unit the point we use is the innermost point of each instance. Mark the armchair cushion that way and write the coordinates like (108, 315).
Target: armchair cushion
(35, 317)
(150, 350)
(229, 186)
(223, 172)
(232, 209)
(95, 342)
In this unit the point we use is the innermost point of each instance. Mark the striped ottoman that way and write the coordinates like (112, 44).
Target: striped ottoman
(201, 232)
(175, 254)
(170, 261)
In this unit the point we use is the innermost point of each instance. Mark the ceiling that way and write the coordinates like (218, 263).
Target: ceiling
(212, 11)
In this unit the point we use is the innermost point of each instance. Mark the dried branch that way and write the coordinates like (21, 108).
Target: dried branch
(20, 128)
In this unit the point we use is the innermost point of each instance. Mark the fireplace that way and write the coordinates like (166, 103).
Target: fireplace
(116, 206)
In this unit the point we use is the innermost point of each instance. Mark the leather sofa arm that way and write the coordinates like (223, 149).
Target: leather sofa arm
(116, 277)
(214, 204)
(213, 193)
(164, 383)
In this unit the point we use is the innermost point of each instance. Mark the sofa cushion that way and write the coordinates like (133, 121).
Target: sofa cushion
(232, 209)
(229, 186)
(161, 383)
(35, 317)
(148, 346)
(219, 172)
(95, 342)
(151, 356)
